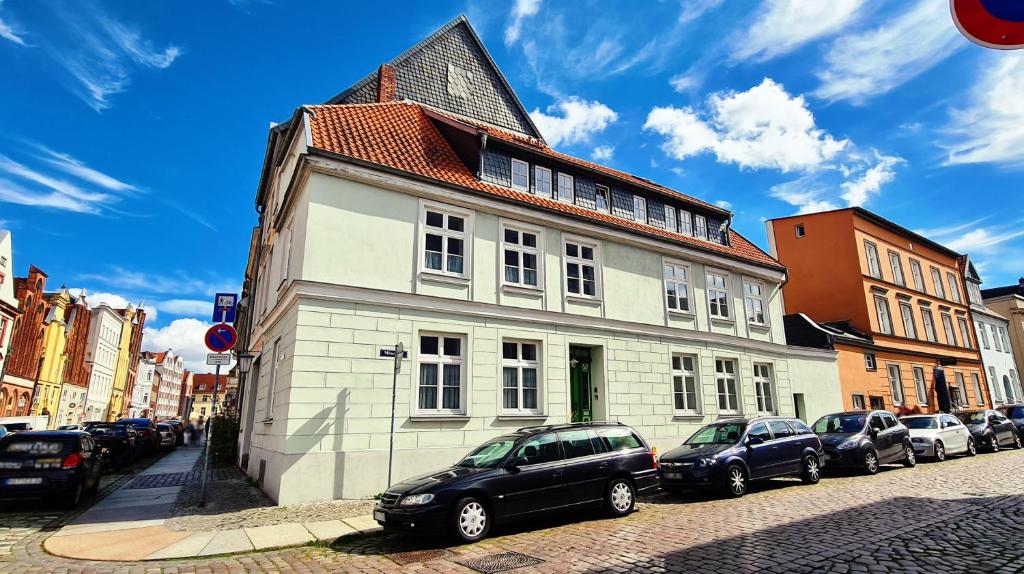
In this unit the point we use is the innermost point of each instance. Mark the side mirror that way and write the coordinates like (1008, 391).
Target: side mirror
(873, 431)
(754, 440)
(513, 466)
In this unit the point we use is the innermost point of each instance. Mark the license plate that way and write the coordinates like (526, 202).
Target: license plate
(23, 481)
(380, 516)
(673, 475)
(10, 465)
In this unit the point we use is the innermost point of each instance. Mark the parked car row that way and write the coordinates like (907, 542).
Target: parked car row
(537, 470)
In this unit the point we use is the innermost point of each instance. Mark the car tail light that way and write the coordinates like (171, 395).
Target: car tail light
(71, 461)
(654, 457)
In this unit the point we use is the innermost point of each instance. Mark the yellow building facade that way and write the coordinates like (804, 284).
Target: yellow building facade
(120, 384)
(47, 393)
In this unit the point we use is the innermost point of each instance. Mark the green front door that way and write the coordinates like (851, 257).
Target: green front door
(579, 384)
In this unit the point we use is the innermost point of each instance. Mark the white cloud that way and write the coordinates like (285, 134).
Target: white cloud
(694, 9)
(782, 26)
(69, 189)
(687, 82)
(72, 166)
(982, 241)
(186, 307)
(579, 120)
(602, 153)
(38, 187)
(176, 283)
(11, 192)
(806, 193)
(856, 192)
(763, 127)
(184, 337)
(521, 10)
(10, 32)
(723, 204)
(865, 64)
(988, 127)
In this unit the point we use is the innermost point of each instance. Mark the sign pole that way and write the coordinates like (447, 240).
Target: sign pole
(399, 351)
(206, 454)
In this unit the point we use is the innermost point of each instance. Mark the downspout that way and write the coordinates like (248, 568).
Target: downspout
(482, 137)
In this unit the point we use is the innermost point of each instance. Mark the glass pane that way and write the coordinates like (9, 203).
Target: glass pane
(509, 351)
(435, 219)
(587, 252)
(511, 274)
(432, 260)
(510, 388)
(670, 299)
(454, 246)
(529, 277)
(677, 363)
(452, 346)
(588, 273)
(511, 258)
(589, 288)
(511, 236)
(571, 250)
(572, 270)
(529, 240)
(530, 261)
(455, 223)
(688, 364)
(455, 263)
(529, 388)
(434, 242)
(452, 380)
(428, 345)
(573, 285)
(529, 351)
(428, 387)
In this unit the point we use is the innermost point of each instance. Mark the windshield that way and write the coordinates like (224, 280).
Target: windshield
(724, 433)
(971, 418)
(489, 454)
(840, 424)
(105, 431)
(920, 422)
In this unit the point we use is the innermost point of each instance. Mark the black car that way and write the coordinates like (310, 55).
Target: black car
(118, 443)
(1014, 412)
(729, 454)
(523, 474)
(147, 432)
(49, 464)
(990, 428)
(865, 440)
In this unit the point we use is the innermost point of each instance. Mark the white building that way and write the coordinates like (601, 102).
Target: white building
(101, 354)
(171, 369)
(139, 406)
(8, 302)
(992, 334)
(529, 287)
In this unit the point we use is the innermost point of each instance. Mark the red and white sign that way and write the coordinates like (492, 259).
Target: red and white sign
(995, 24)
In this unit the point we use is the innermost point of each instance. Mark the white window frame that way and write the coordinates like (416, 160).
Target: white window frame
(722, 380)
(749, 299)
(550, 182)
(871, 255)
(954, 288)
(572, 188)
(965, 331)
(598, 189)
(671, 222)
(730, 312)
(920, 385)
(519, 364)
(537, 251)
(286, 257)
(940, 288)
(466, 235)
(994, 384)
(700, 227)
(512, 174)
(685, 377)
(763, 379)
(928, 324)
(948, 328)
(862, 401)
(800, 230)
(896, 263)
(639, 209)
(870, 362)
(895, 385)
(983, 331)
(918, 275)
(684, 284)
(884, 326)
(440, 360)
(275, 360)
(685, 222)
(907, 315)
(979, 395)
(996, 339)
(1004, 335)
(579, 260)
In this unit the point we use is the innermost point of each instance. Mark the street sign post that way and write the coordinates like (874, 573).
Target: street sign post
(218, 359)
(221, 338)
(224, 305)
(398, 353)
(997, 24)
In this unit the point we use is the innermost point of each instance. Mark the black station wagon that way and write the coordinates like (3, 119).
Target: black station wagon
(520, 475)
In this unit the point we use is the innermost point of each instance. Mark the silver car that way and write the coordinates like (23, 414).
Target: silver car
(167, 436)
(937, 436)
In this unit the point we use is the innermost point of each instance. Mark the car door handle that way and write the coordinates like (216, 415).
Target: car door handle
(558, 474)
(603, 465)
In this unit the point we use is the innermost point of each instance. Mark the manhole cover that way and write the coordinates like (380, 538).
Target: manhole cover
(160, 480)
(413, 556)
(499, 562)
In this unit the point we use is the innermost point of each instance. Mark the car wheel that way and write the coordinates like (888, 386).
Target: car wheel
(470, 520)
(940, 451)
(871, 462)
(735, 481)
(993, 443)
(972, 447)
(910, 459)
(620, 497)
(75, 498)
(812, 470)
(1016, 441)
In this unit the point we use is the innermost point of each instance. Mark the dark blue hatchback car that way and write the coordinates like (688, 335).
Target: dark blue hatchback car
(731, 453)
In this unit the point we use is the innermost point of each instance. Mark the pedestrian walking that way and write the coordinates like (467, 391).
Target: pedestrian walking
(190, 432)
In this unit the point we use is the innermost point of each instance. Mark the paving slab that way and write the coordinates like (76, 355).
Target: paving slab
(131, 513)
(328, 530)
(134, 544)
(293, 534)
(362, 523)
(184, 548)
(226, 542)
(75, 529)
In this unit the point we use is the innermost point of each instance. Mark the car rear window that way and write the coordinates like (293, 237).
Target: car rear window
(1015, 412)
(800, 427)
(106, 431)
(576, 443)
(619, 438)
(27, 446)
(780, 429)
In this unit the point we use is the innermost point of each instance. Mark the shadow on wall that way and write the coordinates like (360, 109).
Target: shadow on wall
(308, 438)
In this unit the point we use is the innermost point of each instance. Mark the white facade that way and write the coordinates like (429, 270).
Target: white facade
(101, 353)
(171, 369)
(72, 407)
(139, 405)
(997, 356)
(8, 302)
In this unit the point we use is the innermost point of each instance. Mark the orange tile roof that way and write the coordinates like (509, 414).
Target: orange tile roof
(400, 135)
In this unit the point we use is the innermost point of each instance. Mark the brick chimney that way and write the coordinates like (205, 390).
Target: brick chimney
(1021, 281)
(386, 83)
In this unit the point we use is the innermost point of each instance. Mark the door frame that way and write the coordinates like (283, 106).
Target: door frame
(598, 380)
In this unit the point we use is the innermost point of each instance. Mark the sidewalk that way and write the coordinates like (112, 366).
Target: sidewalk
(131, 523)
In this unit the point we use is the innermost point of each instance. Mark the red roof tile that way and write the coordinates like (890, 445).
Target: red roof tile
(400, 135)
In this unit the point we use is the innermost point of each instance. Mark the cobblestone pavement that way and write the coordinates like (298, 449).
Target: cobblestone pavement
(963, 515)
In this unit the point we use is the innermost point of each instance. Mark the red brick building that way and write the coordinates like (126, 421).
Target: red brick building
(22, 365)
(134, 353)
(76, 370)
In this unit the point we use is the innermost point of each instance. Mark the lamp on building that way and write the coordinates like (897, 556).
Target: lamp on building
(244, 362)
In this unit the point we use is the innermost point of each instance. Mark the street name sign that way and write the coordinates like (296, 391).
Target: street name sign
(218, 359)
(389, 352)
(221, 338)
(995, 24)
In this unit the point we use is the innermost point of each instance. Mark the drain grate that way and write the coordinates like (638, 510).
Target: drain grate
(492, 563)
(413, 556)
(160, 480)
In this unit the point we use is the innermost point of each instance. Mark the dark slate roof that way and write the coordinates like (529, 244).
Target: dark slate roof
(803, 331)
(454, 53)
(994, 292)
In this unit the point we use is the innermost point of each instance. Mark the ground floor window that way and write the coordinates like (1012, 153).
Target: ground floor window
(920, 385)
(725, 377)
(519, 377)
(763, 388)
(441, 374)
(979, 397)
(877, 403)
(684, 384)
(895, 384)
(858, 403)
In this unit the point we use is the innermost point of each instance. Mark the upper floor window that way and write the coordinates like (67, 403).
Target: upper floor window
(897, 269)
(677, 286)
(718, 295)
(884, 317)
(940, 290)
(928, 320)
(871, 252)
(700, 224)
(800, 231)
(444, 241)
(684, 384)
(581, 260)
(996, 338)
(965, 331)
(915, 271)
(440, 359)
(954, 288)
(979, 396)
(520, 370)
(566, 188)
(520, 253)
(895, 384)
(670, 218)
(763, 388)
(1006, 339)
(753, 301)
(974, 293)
(907, 314)
(947, 325)
(520, 174)
(639, 209)
(983, 333)
(870, 362)
(601, 198)
(728, 393)
(542, 180)
(685, 222)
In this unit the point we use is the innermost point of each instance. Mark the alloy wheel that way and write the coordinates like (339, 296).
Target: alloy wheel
(737, 481)
(994, 443)
(972, 447)
(472, 520)
(940, 452)
(871, 462)
(911, 459)
(1016, 441)
(622, 496)
(813, 470)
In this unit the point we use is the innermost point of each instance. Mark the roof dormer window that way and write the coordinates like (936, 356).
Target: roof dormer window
(520, 175)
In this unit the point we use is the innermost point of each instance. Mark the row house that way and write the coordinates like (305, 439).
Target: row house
(134, 355)
(1008, 303)
(897, 298)
(101, 354)
(21, 367)
(130, 339)
(77, 371)
(991, 331)
(422, 207)
(143, 387)
(167, 380)
(46, 398)
(9, 310)
(185, 396)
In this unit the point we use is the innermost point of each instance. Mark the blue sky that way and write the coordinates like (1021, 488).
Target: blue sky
(132, 134)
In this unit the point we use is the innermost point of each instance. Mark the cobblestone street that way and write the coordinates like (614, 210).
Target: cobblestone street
(963, 515)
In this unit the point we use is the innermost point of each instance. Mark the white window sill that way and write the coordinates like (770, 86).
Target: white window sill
(441, 278)
(422, 417)
(723, 320)
(522, 416)
(521, 290)
(687, 416)
(759, 326)
(729, 414)
(268, 421)
(593, 301)
(679, 313)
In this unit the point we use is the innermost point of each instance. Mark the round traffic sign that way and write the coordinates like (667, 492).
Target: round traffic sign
(221, 338)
